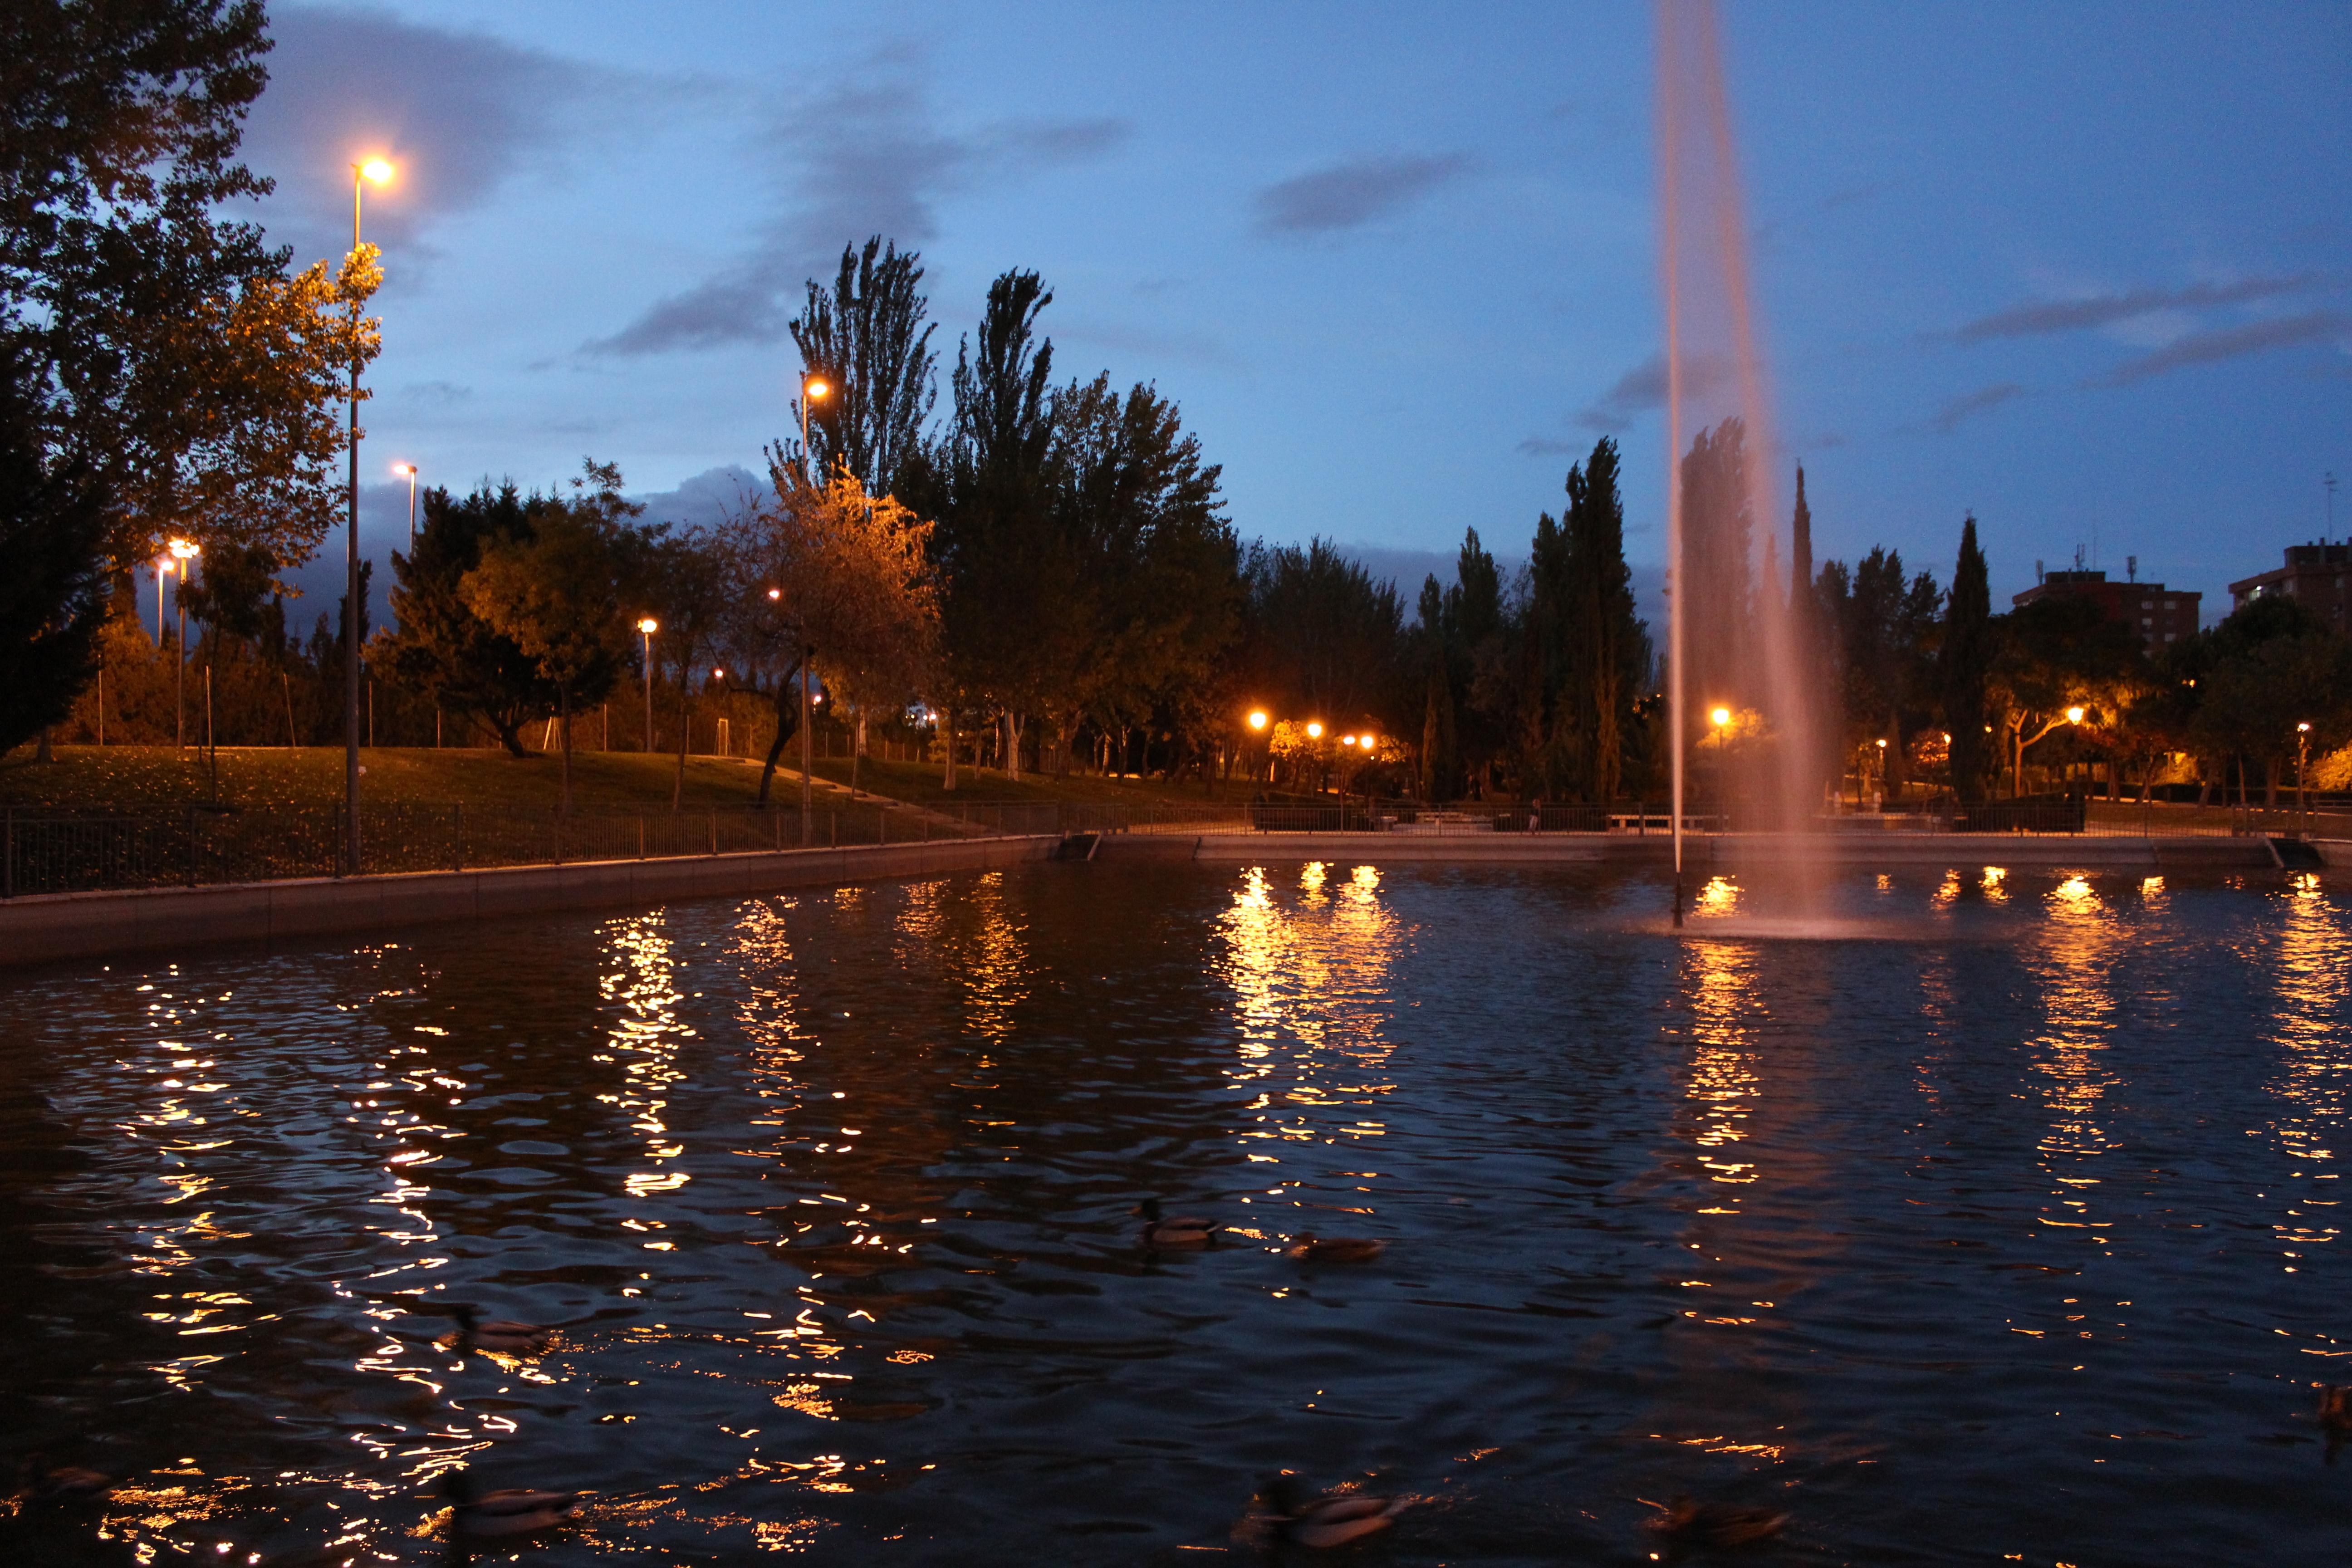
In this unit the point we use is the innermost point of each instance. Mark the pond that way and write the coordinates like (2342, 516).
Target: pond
(2007, 1229)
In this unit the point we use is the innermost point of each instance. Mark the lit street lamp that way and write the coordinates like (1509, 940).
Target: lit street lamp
(410, 469)
(645, 630)
(812, 388)
(162, 563)
(183, 551)
(2302, 764)
(378, 171)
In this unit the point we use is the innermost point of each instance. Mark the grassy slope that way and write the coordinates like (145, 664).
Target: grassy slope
(129, 777)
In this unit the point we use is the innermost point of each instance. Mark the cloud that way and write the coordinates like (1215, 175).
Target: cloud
(2231, 343)
(1353, 194)
(710, 497)
(867, 158)
(457, 111)
(2101, 309)
(1640, 389)
(1983, 400)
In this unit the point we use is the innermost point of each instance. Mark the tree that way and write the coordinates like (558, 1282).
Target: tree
(556, 596)
(1604, 646)
(852, 586)
(867, 338)
(987, 486)
(2270, 666)
(1717, 594)
(1964, 667)
(472, 668)
(2052, 653)
(690, 583)
(53, 597)
(170, 354)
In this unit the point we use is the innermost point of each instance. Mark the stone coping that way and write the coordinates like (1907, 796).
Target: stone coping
(50, 928)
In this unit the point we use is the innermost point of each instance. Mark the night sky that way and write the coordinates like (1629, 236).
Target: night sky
(2081, 270)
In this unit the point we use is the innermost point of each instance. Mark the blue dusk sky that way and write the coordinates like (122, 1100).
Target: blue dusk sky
(2083, 269)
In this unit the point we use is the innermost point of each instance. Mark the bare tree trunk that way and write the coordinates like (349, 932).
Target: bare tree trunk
(1012, 747)
(857, 751)
(784, 732)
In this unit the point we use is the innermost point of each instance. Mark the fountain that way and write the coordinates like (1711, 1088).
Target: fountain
(1747, 644)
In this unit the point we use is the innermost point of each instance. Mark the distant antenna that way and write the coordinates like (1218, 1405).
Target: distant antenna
(2131, 568)
(2037, 572)
(2078, 558)
(2330, 482)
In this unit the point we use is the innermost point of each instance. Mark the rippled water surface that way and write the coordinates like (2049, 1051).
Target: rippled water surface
(2011, 1232)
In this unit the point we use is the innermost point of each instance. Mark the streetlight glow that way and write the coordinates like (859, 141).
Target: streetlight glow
(1721, 716)
(816, 386)
(1257, 719)
(2073, 715)
(649, 626)
(1314, 728)
(376, 169)
(182, 548)
(1347, 739)
(775, 593)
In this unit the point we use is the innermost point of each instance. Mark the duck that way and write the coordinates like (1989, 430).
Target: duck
(1312, 1248)
(1716, 1523)
(1160, 1231)
(1332, 1519)
(2335, 1406)
(498, 1334)
(513, 1511)
(36, 1482)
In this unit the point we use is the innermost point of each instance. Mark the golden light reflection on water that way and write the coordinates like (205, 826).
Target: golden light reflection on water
(2075, 952)
(2311, 968)
(1311, 988)
(1725, 1082)
(646, 1041)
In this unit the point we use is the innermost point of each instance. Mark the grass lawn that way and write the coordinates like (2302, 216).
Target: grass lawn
(132, 777)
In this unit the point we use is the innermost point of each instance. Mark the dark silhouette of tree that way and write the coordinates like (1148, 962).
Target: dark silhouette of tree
(1964, 664)
(866, 337)
(53, 589)
(1717, 597)
(442, 646)
(1605, 647)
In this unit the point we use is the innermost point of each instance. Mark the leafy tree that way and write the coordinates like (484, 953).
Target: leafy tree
(868, 339)
(1604, 659)
(177, 357)
(853, 594)
(690, 583)
(1323, 637)
(1964, 664)
(988, 486)
(53, 597)
(1716, 595)
(2270, 666)
(473, 670)
(556, 596)
(1885, 627)
(2053, 654)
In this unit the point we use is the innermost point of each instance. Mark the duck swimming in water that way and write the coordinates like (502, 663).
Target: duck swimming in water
(499, 1334)
(1716, 1523)
(514, 1512)
(1331, 1519)
(1312, 1248)
(36, 1482)
(1160, 1231)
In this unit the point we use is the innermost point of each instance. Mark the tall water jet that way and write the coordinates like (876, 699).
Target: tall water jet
(1728, 623)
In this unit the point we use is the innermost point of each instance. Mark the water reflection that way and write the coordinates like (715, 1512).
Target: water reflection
(1667, 1217)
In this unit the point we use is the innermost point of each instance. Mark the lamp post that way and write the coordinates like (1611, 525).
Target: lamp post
(645, 630)
(183, 551)
(812, 388)
(410, 469)
(2301, 762)
(162, 563)
(377, 170)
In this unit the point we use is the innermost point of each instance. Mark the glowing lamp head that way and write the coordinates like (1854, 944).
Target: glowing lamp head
(2073, 715)
(407, 468)
(376, 169)
(1881, 745)
(1721, 716)
(1314, 729)
(775, 593)
(1257, 719)
(182, 548)
(717, 672)
(816, 388)
(2303, 729)
(1347, 739)
(649, 626)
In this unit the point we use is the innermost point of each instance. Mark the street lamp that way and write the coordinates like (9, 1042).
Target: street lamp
(2302, 764)
(1257, 718)
(162, 563)
(645, 630)
(1314, 728)
(410, 469)
(2073, 715)
(182, 553)
(377, 171)
(812, 387)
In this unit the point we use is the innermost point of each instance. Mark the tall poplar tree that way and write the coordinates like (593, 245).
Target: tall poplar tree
(1964, 664)
(868, 338)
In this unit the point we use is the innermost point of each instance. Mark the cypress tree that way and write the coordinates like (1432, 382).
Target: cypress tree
(1964, 662)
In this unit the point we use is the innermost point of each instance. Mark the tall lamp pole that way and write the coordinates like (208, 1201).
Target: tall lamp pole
(379, 171)
(645, 630)
(184, 552)
(410, 469)
(2302, 764)
(812, 387)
